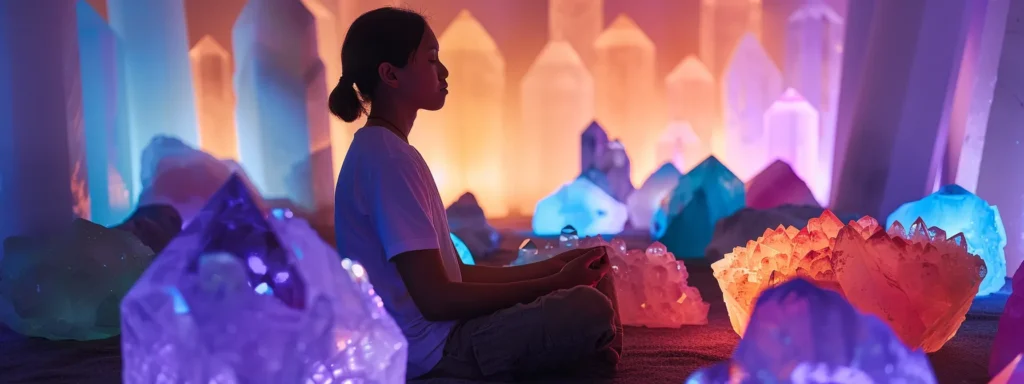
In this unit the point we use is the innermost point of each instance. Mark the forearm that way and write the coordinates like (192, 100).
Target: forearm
(468, 300)
(500, 275)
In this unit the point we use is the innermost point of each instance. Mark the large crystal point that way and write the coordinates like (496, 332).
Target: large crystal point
(280, 87)
(624, 79)
(954, 210)
(327, 15)
(68, 285)
(681, 146)
(722, 25)
(238, 298)
(652, 289)
(211, 68)
(593, 144)
(800, 333)
(791, 129)
(778, 185)
(583, 205)
(158, 77)
(750, 85)
(645, 201)
(105, 115)
(577, 22)
(1009, 339)
(692, 96)
(464, 253)
(557, 102)
(611, 172)
(686, 218)
(466, 219)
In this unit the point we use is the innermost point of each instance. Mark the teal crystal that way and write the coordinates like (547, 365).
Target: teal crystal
(686, 219)
(463, 250)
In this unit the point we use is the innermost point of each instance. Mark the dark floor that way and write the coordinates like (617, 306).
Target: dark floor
(652, 356)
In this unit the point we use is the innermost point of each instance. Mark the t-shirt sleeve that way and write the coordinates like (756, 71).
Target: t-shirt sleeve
(399, 203)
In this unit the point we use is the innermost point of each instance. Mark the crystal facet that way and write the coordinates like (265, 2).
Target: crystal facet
(645, 201)
(652, 289)
(211, 68)
(583, 205)
(464, 253)
(778, 185)
(686, 218)
(240, 298)
(466, 220)
(791, 129)
(750, 85)
(681, 146)
(800, 333)
(954, 209)
(611, 172)
(748, 223)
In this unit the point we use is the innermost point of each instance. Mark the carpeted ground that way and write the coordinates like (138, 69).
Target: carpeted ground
(652, 356)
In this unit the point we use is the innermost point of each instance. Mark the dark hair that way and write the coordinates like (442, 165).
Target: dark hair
(384, 35)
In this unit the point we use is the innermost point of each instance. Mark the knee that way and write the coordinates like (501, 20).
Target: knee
(588, 303)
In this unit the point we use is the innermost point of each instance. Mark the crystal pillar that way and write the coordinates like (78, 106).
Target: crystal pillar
(681, 146)
(329, 50)
(158, 76)
(283, 129)
(624, 79)
(42, 149)
(859, 18)
(751, 84)
(578, 22)
(691, 95)
(791, 132)
(974, 89)
(723, 23)
(105, 119)
(557, 103)
(911, 65)
(1000, 181)
(215, 98)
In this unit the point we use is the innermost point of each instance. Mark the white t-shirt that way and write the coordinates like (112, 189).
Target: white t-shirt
(387, 203)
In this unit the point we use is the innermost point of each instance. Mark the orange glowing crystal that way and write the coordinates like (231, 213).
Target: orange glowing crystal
(918, 281)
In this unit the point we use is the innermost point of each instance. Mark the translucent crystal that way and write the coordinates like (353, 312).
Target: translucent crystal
(686, 218)
(778, 185)
(1012, 373)
(680, 145)
(748, 223)
(583, 205)
(646, 200)
(651, 287)
(577, 22)
(528, 253)
(610, 167)
(792, 133)
(722, 24)
(800, 333)
(954, 209)
(750, 85)
(68, 285)
(464, 253)
(593, 144)
(568, 239)
(215, 98)
(692, 96)
(240, 298)
(466, 220)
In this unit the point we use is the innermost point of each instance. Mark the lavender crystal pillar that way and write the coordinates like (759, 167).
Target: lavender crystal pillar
(974, 89)
(910, 67)
(42, 153)
(157, 72)
(750, 85)
(1000, 181)
(792, 135)
(105, 115)
(859, 18)
(281, 95)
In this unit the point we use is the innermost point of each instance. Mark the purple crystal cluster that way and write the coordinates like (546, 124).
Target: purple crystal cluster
(241, 298)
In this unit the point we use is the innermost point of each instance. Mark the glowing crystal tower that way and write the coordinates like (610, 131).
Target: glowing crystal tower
(999, 181)
(105, 115)
(686, 218)
(215, 98)
(157, 71)
(691, 95)
(894, 150)
(750, 85)
(283, 128)
(578, 22)
(473, 113)
(42, 149)
(722, 25)
(624, 79)
(791, 134)
(328, 43)
(859, 16)
(557, 102)
(813, 62)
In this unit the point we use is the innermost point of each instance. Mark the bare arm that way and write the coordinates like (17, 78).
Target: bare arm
(499, 275)
(440, 299)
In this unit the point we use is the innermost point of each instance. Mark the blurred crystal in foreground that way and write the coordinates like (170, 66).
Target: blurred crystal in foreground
(800, 333)
(236, 298)
(652, 289)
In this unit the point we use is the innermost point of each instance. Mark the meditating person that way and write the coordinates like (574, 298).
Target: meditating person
(461, 321)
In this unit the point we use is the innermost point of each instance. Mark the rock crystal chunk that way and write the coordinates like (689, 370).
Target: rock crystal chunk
(651, 287)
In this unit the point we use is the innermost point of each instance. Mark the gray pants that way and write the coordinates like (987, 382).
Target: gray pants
(571, 332)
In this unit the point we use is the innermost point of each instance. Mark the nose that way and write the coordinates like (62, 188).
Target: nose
(442, 71)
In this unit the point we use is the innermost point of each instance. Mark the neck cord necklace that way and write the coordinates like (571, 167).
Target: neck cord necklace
(390, 126)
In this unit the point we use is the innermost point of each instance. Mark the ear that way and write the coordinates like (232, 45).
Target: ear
(388, 74)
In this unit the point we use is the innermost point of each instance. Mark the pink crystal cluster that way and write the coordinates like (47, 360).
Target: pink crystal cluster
(919, 281)
(652, 290)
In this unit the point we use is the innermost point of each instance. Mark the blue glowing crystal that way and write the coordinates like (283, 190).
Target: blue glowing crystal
(463, 251)
(584, 206)
(238, 297)
(954, 209)
(800, 333)
(686, 219)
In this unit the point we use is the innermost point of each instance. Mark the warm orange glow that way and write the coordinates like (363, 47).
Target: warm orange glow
(329, 49)
(215, 98)
(578, 22)
(722, 24)
(81, 206)
(624, 79)
(691, 94)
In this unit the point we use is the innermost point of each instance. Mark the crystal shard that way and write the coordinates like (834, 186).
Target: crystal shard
(577, 22)
(890, 274)
(211, 69)
(686, 218)
(954, 210)
(681, 146)
(583, 205)
(800, 333)
(791, 129)
(652, 289)
(645, 201)
(723, 24)
(464, 253)
(624, 79)
(593, 144)
(279, 82)
(241, 298)
(466, 220)
(569, 238)
(750, 85)
(68, 285)
(1012, 373)
(557, 102)
(1009, 338)
(158, 76)
(778, 185)
(692, 96)
(611, 172)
